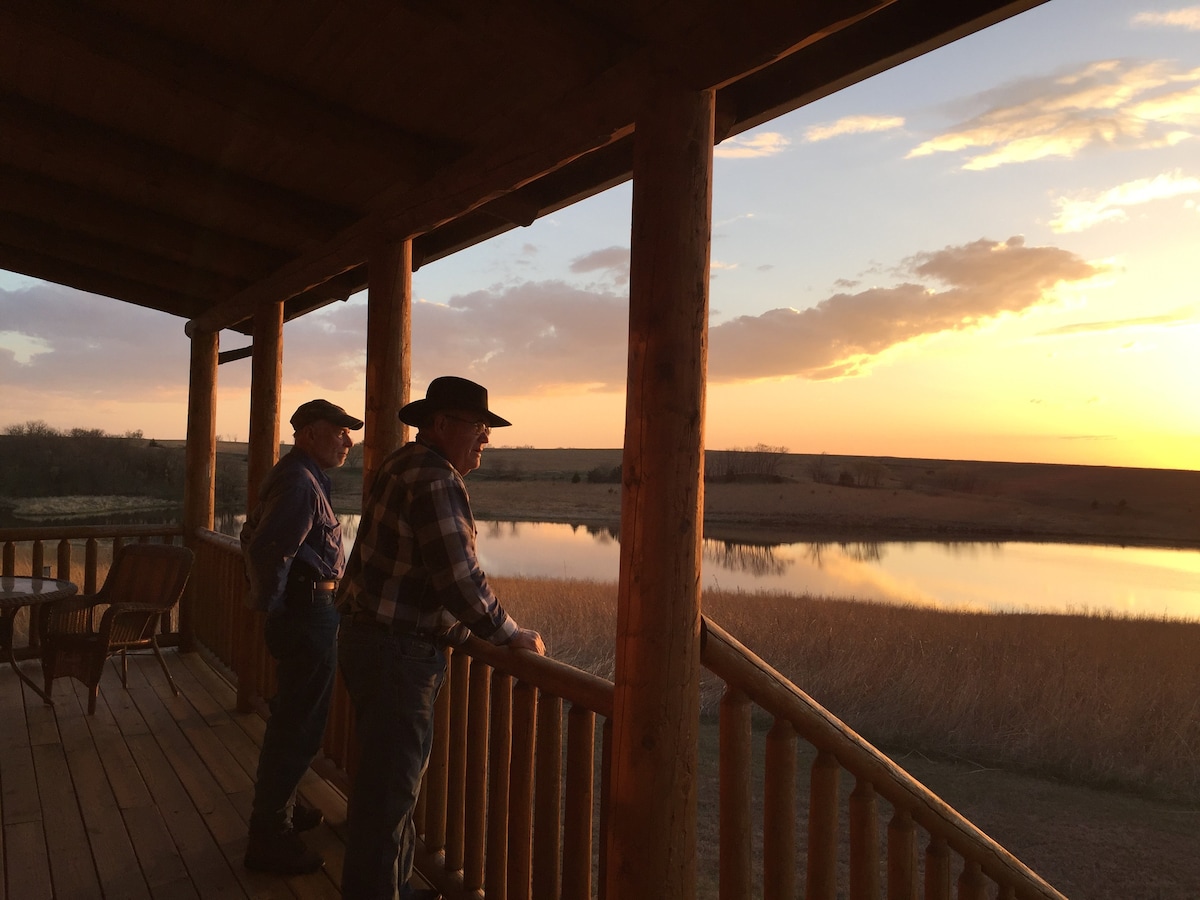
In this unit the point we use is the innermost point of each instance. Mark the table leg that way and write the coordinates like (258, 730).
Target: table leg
(6, 639)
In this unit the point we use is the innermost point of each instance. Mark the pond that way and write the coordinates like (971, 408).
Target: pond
(986, 577)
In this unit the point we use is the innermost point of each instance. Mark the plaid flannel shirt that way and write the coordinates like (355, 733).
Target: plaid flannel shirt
(413, 564)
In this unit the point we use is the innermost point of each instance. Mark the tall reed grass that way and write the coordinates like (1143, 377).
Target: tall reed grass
(1098, 700)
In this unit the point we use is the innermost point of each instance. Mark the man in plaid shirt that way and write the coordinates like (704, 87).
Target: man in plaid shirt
(413, 585)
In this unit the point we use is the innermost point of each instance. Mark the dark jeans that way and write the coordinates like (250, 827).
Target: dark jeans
(304, 644)
(393, 682)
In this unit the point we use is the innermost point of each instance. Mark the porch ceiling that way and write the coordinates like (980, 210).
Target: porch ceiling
(199, 158)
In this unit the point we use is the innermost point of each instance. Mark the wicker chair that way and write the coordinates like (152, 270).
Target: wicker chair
(144, 583)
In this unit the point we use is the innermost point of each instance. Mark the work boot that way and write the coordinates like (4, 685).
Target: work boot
(305, 818)
(281, 854)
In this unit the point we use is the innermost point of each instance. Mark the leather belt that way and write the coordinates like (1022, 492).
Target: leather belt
(305, 593)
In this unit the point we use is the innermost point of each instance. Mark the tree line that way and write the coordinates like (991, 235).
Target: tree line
(37, 460)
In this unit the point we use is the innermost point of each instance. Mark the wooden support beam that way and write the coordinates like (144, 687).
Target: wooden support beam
(246, 94)
(228, 356)
(168, 182)
(266, 384)
(48, 268)
(266, 388)
(898, 32)
(199, 492)
(389, 353)
(652, 837)
(86, 251)
(88, 214)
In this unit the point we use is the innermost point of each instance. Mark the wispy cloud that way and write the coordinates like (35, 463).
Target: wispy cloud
(1183, 316)
(1113, 103)
(1187, 18)
(1079, 213)
(534, 337)
(852, 125)
(764, 143)
(612, 262)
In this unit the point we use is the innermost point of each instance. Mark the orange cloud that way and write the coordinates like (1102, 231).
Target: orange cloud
(843, 334)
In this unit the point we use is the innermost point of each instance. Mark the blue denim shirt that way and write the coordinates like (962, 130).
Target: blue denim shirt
(294, 523)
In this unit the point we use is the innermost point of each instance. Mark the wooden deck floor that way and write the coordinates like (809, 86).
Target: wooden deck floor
(148, 798)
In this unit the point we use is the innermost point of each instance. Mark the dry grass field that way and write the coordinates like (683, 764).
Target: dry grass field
(896, 499)
(1072, 740)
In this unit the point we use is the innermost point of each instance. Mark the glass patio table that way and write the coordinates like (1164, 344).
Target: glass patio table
(16, 593)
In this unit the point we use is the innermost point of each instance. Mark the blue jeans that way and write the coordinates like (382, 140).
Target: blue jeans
(304, 644)
(393, 682)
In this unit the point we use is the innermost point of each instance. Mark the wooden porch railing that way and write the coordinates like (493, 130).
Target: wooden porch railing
(513, 801)
(81, 554)
(952, 844)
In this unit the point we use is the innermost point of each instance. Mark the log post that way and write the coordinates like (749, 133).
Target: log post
(199, 493)
(266, 388)
(652, 835)
(389, 353)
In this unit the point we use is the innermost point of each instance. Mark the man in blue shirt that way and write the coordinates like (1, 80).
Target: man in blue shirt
(292, 545)
(413, 585)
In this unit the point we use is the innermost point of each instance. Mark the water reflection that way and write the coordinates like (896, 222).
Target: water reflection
(982, 576)
(757, 559)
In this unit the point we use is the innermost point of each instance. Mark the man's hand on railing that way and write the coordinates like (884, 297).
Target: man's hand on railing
(528, 639)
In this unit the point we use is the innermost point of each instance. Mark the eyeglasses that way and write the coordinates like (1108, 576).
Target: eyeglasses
(480, 427)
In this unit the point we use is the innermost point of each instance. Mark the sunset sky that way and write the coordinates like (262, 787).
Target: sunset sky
(990, 252)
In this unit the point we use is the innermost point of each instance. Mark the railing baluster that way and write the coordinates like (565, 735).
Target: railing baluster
(547, 820)
(971, 883)
(864, 842)
(823, 828)
(460, 670)
(902, 857)
(735, 876)
(520, 791)
(477, 776)
(937, 869)
(606, 756)
(779, 813)
(38, 562)
(434, 789)
(10, 560)
(495, 877)
(580, 804)
(64, 560)
(90, 552)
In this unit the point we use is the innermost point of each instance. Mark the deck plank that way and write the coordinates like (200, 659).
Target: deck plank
(28, 870)
(225, 825)
(111, 848)
(73, 872)
(149, 797)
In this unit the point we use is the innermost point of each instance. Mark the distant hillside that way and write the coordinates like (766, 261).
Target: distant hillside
(754, 493)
